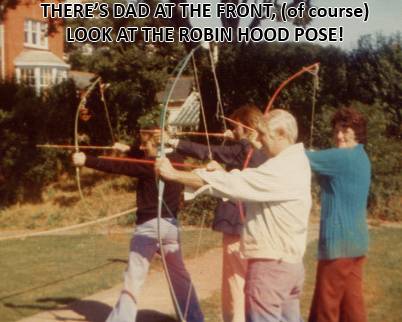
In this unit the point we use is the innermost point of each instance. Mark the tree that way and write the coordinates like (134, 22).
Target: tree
(233, 22)
(6, 5)
(25, 121)
(208, 87)
(135, 72)
(376, 75)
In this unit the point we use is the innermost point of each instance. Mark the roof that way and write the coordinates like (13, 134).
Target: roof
(189, 114)
(181, 91)
(32, 57)
(81, 79)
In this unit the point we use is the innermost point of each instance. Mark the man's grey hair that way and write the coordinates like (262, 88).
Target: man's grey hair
(282, 121)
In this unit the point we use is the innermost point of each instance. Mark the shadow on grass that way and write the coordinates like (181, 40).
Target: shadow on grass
(153, 316)
(111, 261)
(91, 311)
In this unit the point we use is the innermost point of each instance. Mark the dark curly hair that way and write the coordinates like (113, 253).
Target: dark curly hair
(349, 117)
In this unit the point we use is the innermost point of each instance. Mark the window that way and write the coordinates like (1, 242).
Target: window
(40, 77)
(35, 34)
(45, 77)
(28, 76)
(61, 75)
(26, 31)
(43, 35)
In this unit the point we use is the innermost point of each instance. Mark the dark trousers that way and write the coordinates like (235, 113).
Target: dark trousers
(338, 294)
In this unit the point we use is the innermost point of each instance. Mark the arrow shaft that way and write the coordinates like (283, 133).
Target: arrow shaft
(200, 134)
(151, 162)
(65, 146)
(238, 123)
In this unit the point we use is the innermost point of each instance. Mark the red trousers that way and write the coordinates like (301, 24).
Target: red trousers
(338, 293)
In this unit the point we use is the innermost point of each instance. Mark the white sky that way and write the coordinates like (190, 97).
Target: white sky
(385, 17)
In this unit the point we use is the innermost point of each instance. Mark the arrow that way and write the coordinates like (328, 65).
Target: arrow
(65, 146)
(143, 161)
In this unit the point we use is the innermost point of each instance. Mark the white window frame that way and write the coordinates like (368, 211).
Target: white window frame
(55, 76)
(61, 75)
(45, 77)
(21, 77)
(40, 29)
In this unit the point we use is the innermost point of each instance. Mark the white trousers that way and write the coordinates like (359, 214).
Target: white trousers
(143, 246)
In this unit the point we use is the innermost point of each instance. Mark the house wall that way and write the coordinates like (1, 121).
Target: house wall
(14, 33)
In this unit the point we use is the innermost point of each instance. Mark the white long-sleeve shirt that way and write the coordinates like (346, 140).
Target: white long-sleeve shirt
(277, 196)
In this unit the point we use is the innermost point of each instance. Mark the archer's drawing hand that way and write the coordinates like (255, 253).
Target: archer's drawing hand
(173, 143)
(228, 134)
(79, 159)
(164, 168)
(253, 139)
(169, 140)
(214, 166)
(121, 147)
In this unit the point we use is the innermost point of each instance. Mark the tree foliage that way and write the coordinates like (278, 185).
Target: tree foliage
(178, 20)
(135, 72)
(376, 75)
(27, 120)
(6, 5)
(368, 77)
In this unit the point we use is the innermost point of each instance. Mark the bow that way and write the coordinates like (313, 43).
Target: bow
(77, 147)
(161, 185)
(181, 66)
(312, 69)
(219, 106)
(81, 105)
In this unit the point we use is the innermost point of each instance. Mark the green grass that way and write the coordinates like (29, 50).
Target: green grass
(383, 287)
(43, 273)
(382, 280)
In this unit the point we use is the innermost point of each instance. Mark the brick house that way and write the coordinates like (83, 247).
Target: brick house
(27, 52)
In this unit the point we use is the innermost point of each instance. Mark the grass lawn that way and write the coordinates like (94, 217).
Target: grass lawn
(46, 272)
(43, 273)
(382, 284)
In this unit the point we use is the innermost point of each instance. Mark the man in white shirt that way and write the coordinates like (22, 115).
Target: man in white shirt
(277, 197)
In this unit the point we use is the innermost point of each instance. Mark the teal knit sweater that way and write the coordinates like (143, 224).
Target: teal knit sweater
(344, 178)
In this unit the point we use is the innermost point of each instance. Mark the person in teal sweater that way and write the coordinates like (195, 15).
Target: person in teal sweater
(344, 175)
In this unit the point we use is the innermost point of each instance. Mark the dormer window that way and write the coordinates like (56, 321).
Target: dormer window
(35, 34)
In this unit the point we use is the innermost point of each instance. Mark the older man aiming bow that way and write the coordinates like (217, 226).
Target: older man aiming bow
(277, 198)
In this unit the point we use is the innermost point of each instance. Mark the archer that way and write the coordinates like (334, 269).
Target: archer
(144, 243)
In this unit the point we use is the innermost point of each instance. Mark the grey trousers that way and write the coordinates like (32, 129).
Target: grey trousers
(272, 291)
(143, 246)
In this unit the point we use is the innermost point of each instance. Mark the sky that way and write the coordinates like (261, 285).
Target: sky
(385, 16)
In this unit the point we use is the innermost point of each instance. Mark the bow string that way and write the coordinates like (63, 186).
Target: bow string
(161, 184)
